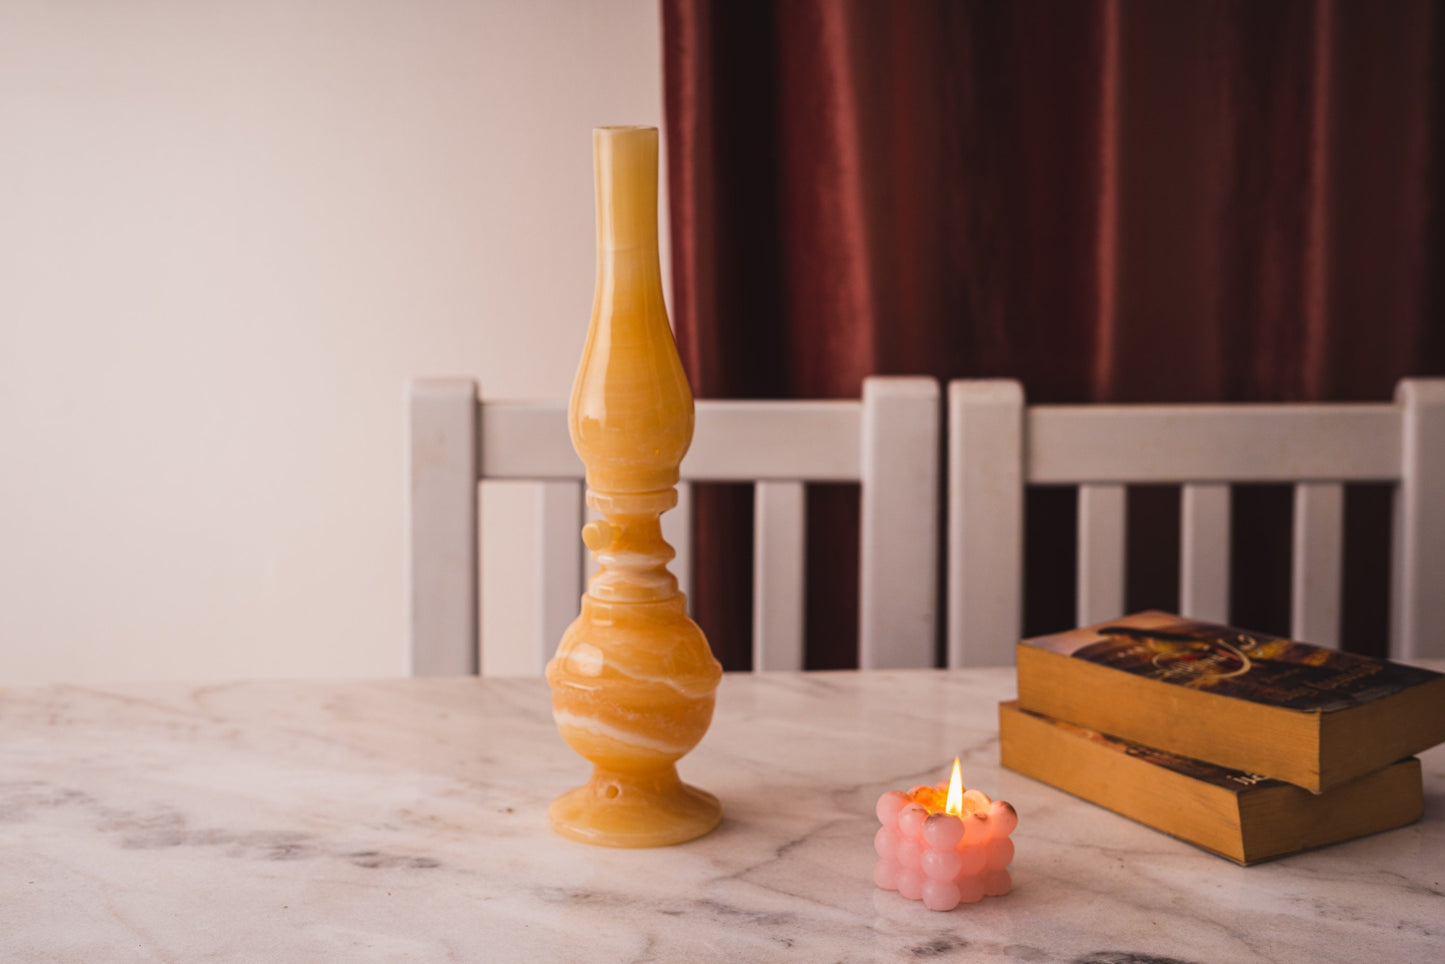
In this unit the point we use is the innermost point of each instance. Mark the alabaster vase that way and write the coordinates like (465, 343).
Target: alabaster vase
(633, 680)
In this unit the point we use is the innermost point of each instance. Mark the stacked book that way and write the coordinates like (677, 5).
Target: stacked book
(1248, 745)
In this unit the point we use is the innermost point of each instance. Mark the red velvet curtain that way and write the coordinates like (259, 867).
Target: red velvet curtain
(1109, 200)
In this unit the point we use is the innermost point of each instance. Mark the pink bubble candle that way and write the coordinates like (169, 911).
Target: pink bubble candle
(944, 845)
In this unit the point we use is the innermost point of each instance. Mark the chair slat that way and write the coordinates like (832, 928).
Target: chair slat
(985, 523)
(1101, 553)
(559, 563)
(778, 580)
(898, 568)
(1204, 551)
(444, 578)
(1319, 510)
(1418, 623)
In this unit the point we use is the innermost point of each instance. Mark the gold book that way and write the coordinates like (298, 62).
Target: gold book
(1242, 816)
(1308, 715)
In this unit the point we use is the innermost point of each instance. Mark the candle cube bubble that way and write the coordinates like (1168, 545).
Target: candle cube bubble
(970, 890)
(910, 821)
(971, 858)
(885, 874)
(940, 894)
(910, 884)
(975, 830)
(942, 831)
(1003, 818)
(1000, 853)
(996, 883)
(889, 804)
(909, 854)
(941, 864)
(885, 841)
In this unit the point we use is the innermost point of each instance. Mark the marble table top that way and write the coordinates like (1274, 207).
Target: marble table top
(404, 820)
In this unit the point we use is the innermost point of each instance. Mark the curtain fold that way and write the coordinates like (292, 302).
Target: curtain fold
(1109, 200)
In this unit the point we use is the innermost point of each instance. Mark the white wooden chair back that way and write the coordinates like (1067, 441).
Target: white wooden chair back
(997, 445)
(888, 441)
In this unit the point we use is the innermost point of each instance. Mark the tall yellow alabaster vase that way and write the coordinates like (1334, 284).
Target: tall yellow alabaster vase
(633, 680)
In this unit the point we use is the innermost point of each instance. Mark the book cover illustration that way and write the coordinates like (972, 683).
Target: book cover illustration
(1233, 662)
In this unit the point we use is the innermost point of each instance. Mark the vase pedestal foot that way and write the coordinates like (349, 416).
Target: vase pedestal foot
(646, 808)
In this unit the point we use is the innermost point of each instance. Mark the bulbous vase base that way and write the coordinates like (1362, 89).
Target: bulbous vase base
(640, 808)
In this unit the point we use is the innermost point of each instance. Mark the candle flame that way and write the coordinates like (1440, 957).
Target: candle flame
(955, 792)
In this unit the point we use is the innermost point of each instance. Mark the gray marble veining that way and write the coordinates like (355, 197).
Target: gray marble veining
(405, 820)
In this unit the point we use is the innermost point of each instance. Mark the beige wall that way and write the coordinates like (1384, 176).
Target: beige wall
(230, 233)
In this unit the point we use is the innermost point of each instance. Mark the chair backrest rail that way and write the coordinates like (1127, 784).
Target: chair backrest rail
(747, 441)
(734, 441)
(1074, 444)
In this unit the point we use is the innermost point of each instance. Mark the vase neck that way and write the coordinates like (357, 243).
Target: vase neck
(626, 171)
(631, 413)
